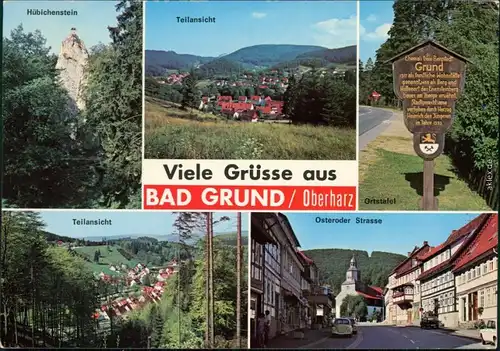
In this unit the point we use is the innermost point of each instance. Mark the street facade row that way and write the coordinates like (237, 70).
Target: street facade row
(284, 281)
(456, 280)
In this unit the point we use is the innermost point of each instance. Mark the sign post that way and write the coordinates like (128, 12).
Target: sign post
(428, 78)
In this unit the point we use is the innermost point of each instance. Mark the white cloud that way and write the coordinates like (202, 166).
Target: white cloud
(371, 18)
(259, 15)
(336, 32)
(379, 34)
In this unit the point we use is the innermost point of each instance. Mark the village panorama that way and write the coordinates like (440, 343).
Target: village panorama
(277, 100)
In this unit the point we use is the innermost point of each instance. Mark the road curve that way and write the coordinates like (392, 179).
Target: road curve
(371, 117)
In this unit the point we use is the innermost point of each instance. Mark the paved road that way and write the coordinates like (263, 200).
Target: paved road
(371, 117)
(372, 122)
(387, 337)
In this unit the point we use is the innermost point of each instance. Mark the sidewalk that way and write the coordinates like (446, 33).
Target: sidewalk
(288, 342)
(464, 333)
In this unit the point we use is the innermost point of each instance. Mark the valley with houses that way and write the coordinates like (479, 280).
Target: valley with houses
(259, 102)
(141, 291)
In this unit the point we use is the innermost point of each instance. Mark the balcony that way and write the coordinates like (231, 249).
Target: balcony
(402, 297)
(257, 284)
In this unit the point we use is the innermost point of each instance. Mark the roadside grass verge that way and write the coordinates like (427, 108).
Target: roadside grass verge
(398, 175)
(173, 133)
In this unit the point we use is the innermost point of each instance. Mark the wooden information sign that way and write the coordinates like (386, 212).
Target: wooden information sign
(428, 78)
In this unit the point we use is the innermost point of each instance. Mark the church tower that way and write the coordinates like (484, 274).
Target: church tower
(350, 286)
(353, 274)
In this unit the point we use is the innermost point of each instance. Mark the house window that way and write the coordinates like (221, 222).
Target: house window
(481, 299)
(473, 273)
(491, 266)
(478, 272)
(488, 297)
(485, 268)
(495, 262)
(468, 275)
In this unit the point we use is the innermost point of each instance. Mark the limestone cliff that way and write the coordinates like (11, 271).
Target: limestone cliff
(72, 62)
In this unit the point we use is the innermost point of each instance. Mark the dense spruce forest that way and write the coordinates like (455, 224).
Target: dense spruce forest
(469, 28)
(333, 264)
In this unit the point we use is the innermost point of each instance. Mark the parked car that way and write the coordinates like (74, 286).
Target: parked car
(489, 333)
(342, 326)
(429, 321)
(353, 325)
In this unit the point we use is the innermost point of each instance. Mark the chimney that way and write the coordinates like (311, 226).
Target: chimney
(426, 243)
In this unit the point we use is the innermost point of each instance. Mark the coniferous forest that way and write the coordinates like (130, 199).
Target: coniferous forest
(52, 296)
(54, 159)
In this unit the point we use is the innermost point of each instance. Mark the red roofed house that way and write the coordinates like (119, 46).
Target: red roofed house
(402, 298)
(437, 281)
(476, 275)
(256, 98)
(354, 286)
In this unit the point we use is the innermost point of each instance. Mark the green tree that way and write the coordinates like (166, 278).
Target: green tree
(369, 64)
(113, 98)
(354, 306)
(472, 31)
(190, 93)
(39, 152)
(157, 334)
(289, 98)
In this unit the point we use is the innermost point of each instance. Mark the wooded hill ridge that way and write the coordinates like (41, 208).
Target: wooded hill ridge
(333, 264)
(257, 56)
(141, 237)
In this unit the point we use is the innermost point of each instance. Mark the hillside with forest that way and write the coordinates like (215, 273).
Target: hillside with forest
(333, 264)
(253, 57)
(157, 61)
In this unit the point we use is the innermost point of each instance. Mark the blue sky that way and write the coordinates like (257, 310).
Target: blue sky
(245, 23)
(398, 233)
(124, 223)
(91, 22)
(375, 20)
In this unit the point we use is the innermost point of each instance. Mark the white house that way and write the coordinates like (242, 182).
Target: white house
(476, 275)
(437, 282)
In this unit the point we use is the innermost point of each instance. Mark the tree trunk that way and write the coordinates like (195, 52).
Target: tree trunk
(15, 323)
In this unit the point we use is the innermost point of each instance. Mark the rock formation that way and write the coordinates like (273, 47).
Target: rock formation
(72, 62)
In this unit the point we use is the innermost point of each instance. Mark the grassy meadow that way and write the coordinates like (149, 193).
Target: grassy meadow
(173, 133)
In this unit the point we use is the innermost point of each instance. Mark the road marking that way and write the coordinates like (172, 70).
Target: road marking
(412, 341)
(356, 342)
(317, 342)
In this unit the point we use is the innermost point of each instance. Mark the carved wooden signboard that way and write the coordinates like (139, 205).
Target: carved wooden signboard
(428, 78)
